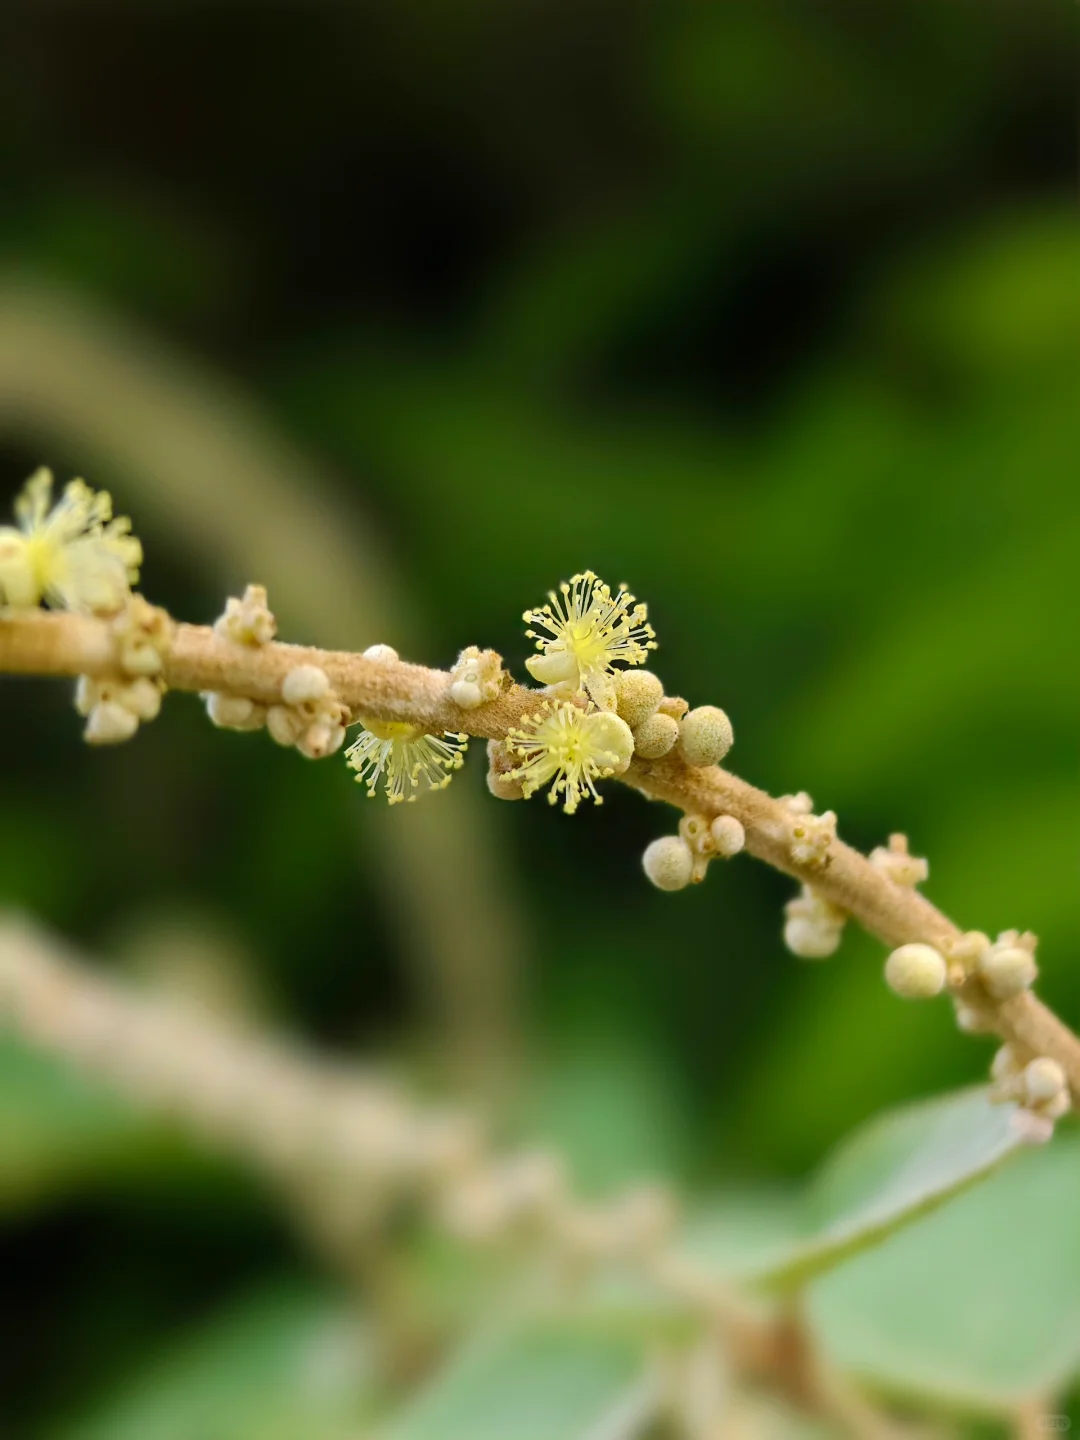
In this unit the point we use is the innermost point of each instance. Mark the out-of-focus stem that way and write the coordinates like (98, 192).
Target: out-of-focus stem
(344, 1147)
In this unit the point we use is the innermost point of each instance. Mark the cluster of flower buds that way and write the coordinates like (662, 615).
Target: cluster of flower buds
(476, 678)
(653, 719)
(1008, 965)
(813, 926)
(115, 707)
(144, 636)
(811, 835)
(674, 861)
(1003, 967)
(1040, 1086)
(249, 620)
(898, 864)
(659, 722)
(246, 621)
(310, 715)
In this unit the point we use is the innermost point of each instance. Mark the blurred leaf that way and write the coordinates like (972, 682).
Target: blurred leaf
(745, 1231)
(978, 1306)
(283, 1363)
(888, 1175)
(545, 1381)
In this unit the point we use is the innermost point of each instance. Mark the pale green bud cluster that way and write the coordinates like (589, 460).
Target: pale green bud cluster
(1040, 1086)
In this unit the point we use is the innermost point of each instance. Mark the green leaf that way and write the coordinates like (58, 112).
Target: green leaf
(978, 1306)
(892, 1172)
(548, 1380)
(286, 1362)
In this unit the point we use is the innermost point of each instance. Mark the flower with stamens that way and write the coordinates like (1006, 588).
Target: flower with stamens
(570, 749)
(407, 761)
(589, 630)
(74, 554)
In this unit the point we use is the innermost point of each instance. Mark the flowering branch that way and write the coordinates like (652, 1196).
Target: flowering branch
(200, 659)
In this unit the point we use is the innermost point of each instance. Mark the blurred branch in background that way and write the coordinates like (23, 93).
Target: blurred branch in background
(211, 470)
(348, 1150)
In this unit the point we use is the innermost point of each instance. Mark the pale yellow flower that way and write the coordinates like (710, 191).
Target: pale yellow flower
(73, 555)
(589, 630)
(407, 761)
(571, 749)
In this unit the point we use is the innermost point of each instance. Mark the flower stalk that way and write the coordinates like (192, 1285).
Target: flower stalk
(35, 642)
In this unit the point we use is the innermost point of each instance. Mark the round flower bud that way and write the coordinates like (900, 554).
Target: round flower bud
(1044, 1080)
(467, 694)
(322, 738)
(109, 723)
(811, 939)
(915, 972)
(637, 694)
(381, 652)
(285, 725)
(142, 697)
(668, 863)
(655, 736)
(705, 735)
(729, 835)
(303, 683)
(1007, 971)
(234, 712)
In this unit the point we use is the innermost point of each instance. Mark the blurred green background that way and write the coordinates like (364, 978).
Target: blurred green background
(772, 311)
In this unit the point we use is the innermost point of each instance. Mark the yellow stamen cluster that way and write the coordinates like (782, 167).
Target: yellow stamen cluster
(74, 555)
(407, 761)
(570, 749)
(589, 630)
